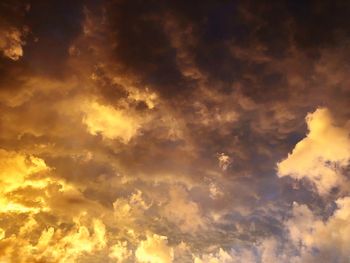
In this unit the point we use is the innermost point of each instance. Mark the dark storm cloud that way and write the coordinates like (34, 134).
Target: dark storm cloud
(320, 24)
(142, 45)
(52, 32)
(13, 12)
(144, 48)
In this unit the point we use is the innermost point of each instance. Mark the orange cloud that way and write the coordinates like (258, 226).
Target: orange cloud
(11, 42)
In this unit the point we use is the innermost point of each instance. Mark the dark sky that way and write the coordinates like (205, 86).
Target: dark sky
(174, 131)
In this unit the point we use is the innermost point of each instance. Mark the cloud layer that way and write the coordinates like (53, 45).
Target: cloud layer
(205, 132)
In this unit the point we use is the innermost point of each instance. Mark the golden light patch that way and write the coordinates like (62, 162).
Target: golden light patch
(109, 122)
(154, 249)
(18, 171)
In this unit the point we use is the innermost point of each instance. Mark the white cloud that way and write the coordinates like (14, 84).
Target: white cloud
(320, 156)
(319, 240)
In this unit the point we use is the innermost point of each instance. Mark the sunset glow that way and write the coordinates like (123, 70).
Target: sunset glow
(174, 131)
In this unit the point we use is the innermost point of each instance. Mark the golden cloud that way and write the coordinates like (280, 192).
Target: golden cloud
(11, 42)
(321, 155)
(154, 249)
(111, 123)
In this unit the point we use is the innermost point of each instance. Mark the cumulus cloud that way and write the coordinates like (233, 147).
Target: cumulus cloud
(317, 239)
(321, 156)
(28, 191)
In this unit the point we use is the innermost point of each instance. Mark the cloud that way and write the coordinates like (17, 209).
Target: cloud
(215, 191)
(224, 161)
(154, 249)
(317, 239)
(133, 132)
(18, 171)
(29, 191)
(111, 123)
(11, 42)
(183, 212)
(120, 252)
(219, 257)
(51, 245)
(54, 245)
(321, 156)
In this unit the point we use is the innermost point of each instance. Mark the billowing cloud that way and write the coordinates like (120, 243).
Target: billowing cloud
(29, 191)
(20, 171)
(318, 239)
(322, 155)
(133, 132)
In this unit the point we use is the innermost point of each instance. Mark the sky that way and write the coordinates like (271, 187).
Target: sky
(174, 131)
